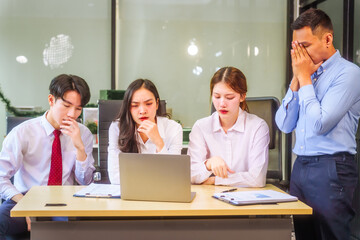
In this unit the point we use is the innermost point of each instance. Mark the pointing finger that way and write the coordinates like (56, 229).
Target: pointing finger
(225, 173)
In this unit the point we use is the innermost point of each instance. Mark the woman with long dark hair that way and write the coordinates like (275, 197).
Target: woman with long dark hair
(140, 128)
(230, 147)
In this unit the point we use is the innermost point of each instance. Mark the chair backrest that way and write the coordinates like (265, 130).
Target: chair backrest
(108, 111)
(265, 108)
(12, 122)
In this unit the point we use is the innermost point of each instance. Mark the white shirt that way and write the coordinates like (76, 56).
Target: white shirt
(244, 148)
(169, 130)
(26, 155)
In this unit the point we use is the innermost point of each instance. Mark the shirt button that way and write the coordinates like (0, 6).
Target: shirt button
(315, 79)
(294, 98)
(301, 147)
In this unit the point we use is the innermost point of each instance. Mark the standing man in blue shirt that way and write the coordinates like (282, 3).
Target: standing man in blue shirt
(323, 106)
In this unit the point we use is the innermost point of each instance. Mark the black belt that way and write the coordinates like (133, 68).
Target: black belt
(339, 154)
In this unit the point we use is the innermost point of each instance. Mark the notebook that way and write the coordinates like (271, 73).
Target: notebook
(254, 197)
(155, 177)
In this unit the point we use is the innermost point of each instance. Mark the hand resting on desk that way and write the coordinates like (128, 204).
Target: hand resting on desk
(209, 181)
(17, 198)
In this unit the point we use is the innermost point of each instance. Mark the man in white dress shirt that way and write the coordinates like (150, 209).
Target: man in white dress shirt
(27, 150)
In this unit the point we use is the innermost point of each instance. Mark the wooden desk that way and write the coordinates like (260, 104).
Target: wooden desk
(204, 218)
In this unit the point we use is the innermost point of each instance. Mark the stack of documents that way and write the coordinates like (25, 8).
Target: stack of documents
(95, 190)
(254, 197)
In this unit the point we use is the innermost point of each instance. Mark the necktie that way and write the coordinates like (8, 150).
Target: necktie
(55, 176)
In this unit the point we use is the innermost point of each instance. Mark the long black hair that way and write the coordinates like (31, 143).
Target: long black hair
(128, 141)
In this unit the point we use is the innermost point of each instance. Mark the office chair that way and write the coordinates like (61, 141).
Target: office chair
(12, 122)
(265, 108)
(108, 111)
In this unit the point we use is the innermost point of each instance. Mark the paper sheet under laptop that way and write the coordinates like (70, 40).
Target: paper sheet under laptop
(254, 197)
(99, 191)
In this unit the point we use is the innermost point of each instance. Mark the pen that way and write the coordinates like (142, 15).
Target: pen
(98, 195)
(230, 190)
(55, 204)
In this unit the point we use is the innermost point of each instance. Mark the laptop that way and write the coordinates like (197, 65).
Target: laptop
(155, 177)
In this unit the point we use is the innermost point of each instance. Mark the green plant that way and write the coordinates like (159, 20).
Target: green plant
(14, 111)
(92, 126)
(91, 105)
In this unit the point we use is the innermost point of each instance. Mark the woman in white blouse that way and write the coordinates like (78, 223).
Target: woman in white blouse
(139, 128)
(230, 147)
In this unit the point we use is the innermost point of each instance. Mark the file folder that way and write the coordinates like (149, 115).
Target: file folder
(95, 190)
(254, 197)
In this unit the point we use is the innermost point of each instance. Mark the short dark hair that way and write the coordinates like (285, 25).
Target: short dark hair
(313, 18)
(66, 82)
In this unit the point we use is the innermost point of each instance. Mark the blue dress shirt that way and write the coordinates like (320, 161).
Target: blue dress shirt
(326, 113)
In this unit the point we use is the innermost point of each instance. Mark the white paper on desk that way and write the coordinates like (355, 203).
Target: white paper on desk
(254, 197)
(96, 190)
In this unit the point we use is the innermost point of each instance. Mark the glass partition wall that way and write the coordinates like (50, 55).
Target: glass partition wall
(40, 39)
(180, 44)
(357, 32)
(335, 9)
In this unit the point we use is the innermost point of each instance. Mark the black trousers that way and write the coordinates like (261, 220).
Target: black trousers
(10, 225)
(327, 184)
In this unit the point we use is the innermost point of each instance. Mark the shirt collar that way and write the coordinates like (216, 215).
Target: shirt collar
(216, 126)
(328, 63)
(239, 125)
(49, 129)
